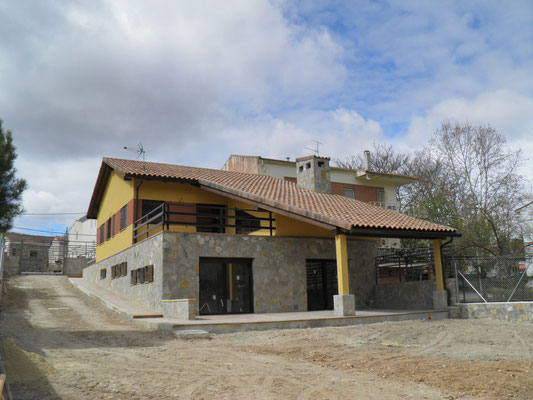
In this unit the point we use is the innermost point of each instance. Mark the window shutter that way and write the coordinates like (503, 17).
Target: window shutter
(149, 273)
(133, 277)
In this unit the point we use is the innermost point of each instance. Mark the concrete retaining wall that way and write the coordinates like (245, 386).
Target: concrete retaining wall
(74, 266)
(514, 311)
(405, 296)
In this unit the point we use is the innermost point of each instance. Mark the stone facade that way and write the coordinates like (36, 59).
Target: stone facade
(147, 252)
(278, 268)
(313, 173)
(406, 295)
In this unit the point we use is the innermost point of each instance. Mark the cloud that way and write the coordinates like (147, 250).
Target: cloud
(89, 78)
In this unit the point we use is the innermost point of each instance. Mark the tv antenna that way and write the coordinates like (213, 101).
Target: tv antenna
(139, 150)
(317, 150)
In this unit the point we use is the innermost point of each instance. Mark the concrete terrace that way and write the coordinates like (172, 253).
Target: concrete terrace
(246, 322)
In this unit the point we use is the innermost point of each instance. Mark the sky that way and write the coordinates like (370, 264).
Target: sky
(195, 82)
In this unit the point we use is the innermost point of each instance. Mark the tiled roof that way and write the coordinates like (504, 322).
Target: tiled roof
(334, 210)
(15, 237)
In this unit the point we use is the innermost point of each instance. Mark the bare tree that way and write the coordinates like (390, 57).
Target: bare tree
(384, 159)
(467, 179)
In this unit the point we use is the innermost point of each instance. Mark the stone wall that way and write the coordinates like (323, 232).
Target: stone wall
(11, 265)
(513, 311)
(278, 268)
(406, 295)
(147, 252)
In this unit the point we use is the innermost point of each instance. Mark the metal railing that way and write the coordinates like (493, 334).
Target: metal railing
(404, 265)
(206, 218)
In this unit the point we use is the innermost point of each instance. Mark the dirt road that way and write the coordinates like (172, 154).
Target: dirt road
(62, 344)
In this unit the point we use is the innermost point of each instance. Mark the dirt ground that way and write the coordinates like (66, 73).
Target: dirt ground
(60, 344)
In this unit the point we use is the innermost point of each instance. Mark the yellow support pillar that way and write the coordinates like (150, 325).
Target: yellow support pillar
(438, 264)
(342, 264)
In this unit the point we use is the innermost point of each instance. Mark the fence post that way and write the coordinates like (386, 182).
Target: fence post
(20, 255)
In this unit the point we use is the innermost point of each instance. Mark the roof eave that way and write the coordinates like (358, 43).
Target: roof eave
(403, 233)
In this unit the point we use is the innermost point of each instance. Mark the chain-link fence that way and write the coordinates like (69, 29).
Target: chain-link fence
(490, 278)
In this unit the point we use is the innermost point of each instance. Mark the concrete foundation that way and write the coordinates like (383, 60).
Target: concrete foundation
(440, 299)
(344, 305)
(179, 309)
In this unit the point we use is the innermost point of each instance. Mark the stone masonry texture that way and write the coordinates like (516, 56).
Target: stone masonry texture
(278, 268)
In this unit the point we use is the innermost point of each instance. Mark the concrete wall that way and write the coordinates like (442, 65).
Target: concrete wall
(514, 311)
(406, 295)
(74, 266)
(278, 268)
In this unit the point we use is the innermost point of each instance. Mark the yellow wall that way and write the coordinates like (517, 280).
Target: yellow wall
(120, 192)
(286, 226)
(116, 195)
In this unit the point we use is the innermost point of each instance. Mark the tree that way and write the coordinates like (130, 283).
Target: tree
(11, 187)
(467, 179)
(384, 159)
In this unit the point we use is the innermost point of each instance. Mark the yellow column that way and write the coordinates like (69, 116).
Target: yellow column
(342, 264)
(438, 264)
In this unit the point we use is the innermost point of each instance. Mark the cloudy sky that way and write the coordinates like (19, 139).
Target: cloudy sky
(198, 81)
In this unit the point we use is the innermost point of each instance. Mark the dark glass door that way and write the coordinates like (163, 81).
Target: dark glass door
(225, 286)
(321, 284)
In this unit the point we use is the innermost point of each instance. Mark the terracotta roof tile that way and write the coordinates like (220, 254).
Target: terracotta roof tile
(331, 209)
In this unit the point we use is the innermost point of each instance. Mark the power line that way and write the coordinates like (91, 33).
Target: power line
(55, 232)
(66, 213)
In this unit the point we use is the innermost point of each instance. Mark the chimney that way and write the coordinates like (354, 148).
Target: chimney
(312, 172)
(366, 160)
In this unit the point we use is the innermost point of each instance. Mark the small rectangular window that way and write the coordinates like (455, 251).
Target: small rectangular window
(124, 269)
(113, 226)
(381, 197)
(33, 253)
(349, 192)
(103, 273)
(149, 274)
(123, 216)
(102, 233)
(108, 230)
(14, 251)
(133, 275)
(140, 275)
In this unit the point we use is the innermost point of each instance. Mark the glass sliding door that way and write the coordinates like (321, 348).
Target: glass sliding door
(226, 286)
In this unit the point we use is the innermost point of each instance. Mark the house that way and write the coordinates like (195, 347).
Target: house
(82, 239)
(377, 188)
(186, 241)
(26, 253)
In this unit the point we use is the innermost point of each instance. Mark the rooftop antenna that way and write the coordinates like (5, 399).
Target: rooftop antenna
(139, 150)
(317, 150)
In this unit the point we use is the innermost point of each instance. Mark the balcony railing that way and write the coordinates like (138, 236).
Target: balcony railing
(205, 218)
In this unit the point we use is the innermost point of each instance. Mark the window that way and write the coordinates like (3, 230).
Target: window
(381, 197)
(321, 164)
(102, 233)
(123, 216)
(14, 251)
(103, 273)
(113, 226)
(33, 253)
(349, 192)
(108, 230)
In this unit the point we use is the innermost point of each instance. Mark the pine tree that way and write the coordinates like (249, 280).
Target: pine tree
(11, 187)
